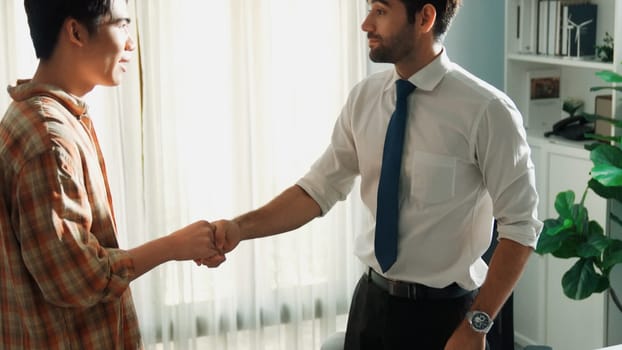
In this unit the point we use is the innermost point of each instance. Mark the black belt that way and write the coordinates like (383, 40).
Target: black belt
(415, 290)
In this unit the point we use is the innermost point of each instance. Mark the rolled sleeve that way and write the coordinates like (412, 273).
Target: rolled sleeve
(504, 157)
(332, 176)
(68, 245)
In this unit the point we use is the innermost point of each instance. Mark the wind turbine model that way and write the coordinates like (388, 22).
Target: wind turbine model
(580, 28)
(570, 26)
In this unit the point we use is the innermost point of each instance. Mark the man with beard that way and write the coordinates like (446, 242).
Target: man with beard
(440, 153)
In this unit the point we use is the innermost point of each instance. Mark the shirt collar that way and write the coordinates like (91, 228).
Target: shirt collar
(428, 77)
(25, 89)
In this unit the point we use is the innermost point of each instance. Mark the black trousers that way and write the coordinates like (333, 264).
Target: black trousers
(379, 321)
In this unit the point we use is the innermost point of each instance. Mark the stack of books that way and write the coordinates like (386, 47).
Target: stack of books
(556, 27)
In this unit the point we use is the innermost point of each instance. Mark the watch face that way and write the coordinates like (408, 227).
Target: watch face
(480, 321)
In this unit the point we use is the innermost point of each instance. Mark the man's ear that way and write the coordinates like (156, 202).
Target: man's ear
(426, 18)
(75, 32)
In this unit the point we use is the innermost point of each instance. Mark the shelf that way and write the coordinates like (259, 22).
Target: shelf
(562, 61)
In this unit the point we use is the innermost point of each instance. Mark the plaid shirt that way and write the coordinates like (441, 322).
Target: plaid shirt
(64, 282)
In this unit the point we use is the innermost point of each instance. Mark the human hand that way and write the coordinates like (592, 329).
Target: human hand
(226, 237)
(196, 241)
(465, 338)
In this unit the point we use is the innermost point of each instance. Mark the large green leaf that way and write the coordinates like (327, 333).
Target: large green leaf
(594, 246)
(606, 154)
(607, 175)
(608, 192)
(603, 284)
(607, 165)
(609, 76)
(552, 236)
(569, 247)
(613, 254)
(563, 204)
(581, 280)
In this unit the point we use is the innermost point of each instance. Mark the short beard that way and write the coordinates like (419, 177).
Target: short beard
(396, 48)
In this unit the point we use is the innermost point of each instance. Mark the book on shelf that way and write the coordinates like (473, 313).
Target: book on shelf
(565, 30)
(544, 104)
(526, 26)
(543, 27)
(553, 27)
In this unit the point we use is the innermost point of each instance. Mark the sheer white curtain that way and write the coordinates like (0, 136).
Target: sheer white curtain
(227, 104)
(240, 98)
(17, 55)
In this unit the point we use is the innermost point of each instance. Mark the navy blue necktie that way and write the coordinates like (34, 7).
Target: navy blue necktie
(387, 207)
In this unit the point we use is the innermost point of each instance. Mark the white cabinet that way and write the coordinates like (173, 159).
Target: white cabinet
(569, 169)
(543, 314)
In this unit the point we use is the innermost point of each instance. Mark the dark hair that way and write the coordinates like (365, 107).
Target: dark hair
(46, 17)
(445, 12)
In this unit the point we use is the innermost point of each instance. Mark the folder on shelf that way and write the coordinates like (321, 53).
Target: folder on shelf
(543, 20)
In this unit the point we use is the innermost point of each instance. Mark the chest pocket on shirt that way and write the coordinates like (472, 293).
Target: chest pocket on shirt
(433, 177)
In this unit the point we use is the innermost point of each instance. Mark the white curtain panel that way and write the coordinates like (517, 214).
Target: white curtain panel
(239, 98)
(17, 55)
(226, 104)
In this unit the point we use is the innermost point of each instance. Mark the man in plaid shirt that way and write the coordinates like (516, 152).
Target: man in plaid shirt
(64, 281)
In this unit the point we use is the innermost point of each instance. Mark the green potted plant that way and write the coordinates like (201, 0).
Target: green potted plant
(572, 234)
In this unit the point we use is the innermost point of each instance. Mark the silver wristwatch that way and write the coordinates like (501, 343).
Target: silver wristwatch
(479, 321)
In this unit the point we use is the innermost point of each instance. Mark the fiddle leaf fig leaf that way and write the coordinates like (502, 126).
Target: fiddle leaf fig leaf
(563, 204)
(608, 192)
(553, 227)
(606, 154)
(607, 175)
(595, 229)
(603, 284)
(552, 236)
(570, 245)
(581, 280)
(594, 246)
(609, 76)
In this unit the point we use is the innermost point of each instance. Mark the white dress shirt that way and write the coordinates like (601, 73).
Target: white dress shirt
(465, 159)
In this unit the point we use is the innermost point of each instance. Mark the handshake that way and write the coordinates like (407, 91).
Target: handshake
(204, 242)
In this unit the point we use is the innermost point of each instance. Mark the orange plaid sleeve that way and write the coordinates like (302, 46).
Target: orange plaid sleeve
(59, 249)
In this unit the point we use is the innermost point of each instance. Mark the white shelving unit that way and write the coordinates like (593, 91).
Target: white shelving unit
(543, 314)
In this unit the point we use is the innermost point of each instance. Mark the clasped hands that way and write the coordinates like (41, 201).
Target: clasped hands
(206, 243)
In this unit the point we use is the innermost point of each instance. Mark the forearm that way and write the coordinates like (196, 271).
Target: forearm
(288, 211)
(506, 267)
(194, 241)
(151, 254)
